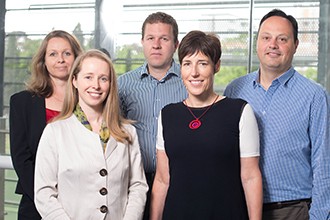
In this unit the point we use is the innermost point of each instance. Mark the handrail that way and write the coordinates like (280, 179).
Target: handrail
(5, 162)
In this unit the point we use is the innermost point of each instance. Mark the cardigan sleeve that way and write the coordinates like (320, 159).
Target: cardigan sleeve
(138, 186)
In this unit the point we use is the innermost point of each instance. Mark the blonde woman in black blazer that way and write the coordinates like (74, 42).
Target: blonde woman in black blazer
(31, 109)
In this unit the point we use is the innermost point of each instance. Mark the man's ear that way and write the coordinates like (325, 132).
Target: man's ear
(176, 45)
(296, 44)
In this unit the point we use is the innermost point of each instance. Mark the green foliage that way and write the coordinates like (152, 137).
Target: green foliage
(90, 42)
(128, 57)
(311, 73)
(11, 46)
(228, 73)
(19, 51)
(30, 47)
(79, 34)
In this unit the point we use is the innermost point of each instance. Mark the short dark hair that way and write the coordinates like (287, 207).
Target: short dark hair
(161, 17)
(198, 41)
(280, 13)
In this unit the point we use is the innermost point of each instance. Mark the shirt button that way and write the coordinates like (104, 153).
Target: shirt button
(103, 172)
(104, 209)
(103, 191)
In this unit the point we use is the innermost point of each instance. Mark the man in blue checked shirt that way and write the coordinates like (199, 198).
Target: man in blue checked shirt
(293, 118)
(146, 90)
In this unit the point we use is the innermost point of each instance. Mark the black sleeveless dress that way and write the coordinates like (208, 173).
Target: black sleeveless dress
(204, 164)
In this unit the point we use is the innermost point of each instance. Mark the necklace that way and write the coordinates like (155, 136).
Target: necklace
(196, 123)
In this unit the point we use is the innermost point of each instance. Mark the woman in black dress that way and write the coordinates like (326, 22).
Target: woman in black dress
(207, 146)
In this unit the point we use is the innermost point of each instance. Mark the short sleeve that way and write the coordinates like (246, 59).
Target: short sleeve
(160, 138)
(248, 133)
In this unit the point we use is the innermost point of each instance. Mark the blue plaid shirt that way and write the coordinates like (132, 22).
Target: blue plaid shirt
(293, 119)
(142, 97)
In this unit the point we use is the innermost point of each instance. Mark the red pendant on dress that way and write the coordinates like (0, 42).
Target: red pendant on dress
(194, 124)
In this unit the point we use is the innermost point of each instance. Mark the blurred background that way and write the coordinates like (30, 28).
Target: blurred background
(116, 26)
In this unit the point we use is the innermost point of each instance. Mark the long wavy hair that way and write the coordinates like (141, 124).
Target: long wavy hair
(40, 82)
(111, 110)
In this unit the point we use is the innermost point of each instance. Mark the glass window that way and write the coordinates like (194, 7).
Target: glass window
(116, 26)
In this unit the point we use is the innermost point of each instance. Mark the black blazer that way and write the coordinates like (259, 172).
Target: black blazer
(27, 121)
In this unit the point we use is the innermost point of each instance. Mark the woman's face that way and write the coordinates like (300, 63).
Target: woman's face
(59, 58)
(198, 74)
(93, 83)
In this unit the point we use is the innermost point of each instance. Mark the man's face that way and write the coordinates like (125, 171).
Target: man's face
(275, 45)
(158, 45)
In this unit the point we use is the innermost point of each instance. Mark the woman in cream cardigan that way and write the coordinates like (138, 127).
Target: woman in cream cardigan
(88, 163)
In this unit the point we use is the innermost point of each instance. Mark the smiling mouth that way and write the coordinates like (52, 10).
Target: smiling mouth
(95, 94)
(195, 82)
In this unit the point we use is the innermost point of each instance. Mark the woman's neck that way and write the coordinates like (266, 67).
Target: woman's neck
(94, 117)
(59, 87)
(199, 102)
(55, 101)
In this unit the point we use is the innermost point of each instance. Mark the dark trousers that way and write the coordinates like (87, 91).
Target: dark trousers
(27, 210)
(150, 180)
(293, 210)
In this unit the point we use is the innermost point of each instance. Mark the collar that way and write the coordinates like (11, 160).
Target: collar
(173, 70)
(104, 131)
(282, 79)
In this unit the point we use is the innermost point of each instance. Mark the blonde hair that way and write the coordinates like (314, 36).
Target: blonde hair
(40, 82)
(111, 110)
